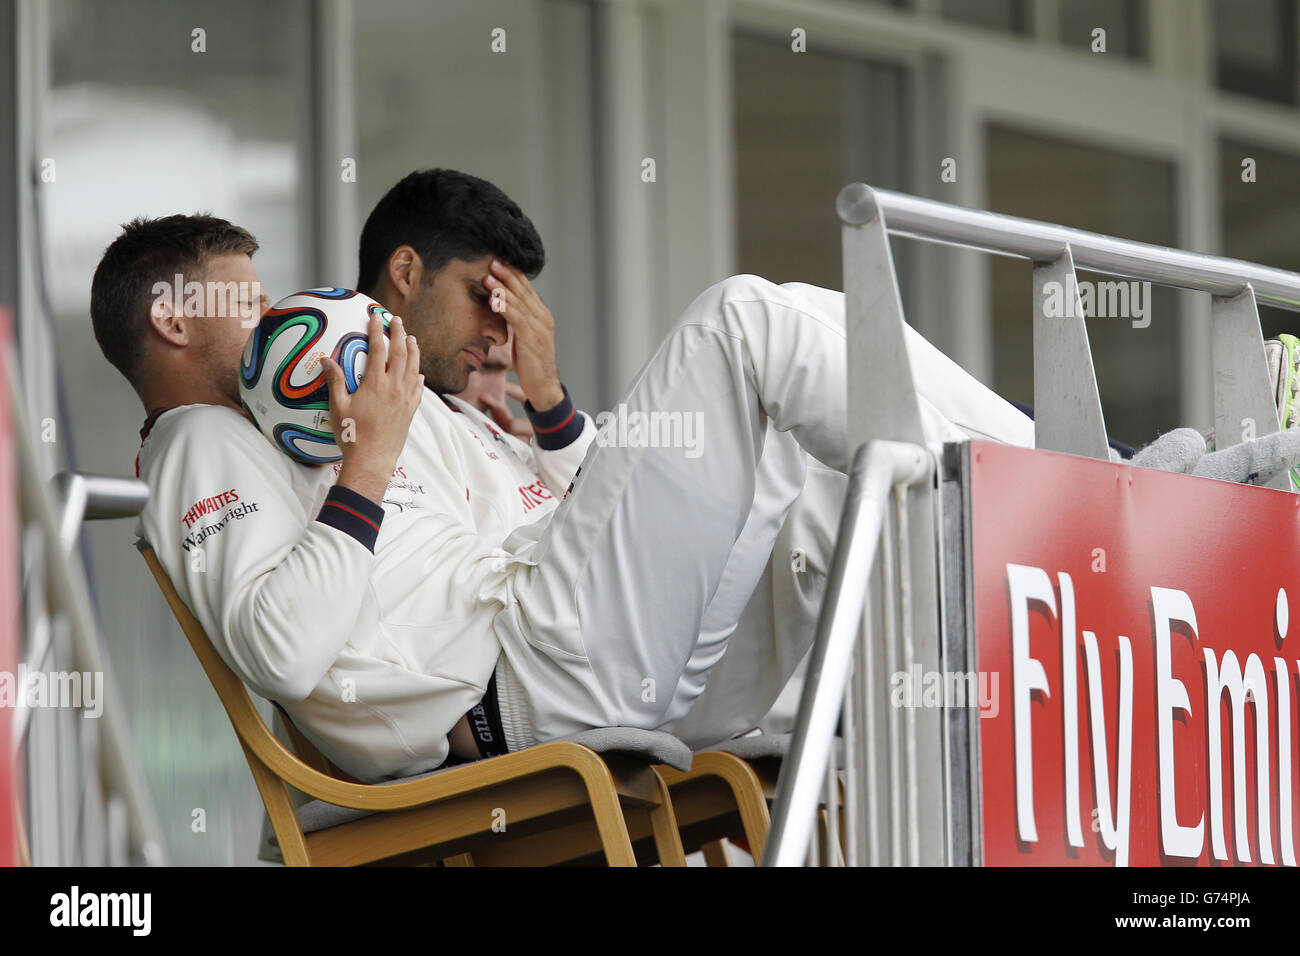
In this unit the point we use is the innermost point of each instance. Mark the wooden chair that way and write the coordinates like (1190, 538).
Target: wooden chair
(545, 794)
(727, 793)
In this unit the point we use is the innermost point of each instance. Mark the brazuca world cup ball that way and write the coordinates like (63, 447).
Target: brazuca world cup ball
(281, 380)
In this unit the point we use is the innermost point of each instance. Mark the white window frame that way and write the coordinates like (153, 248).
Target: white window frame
(1165, 106)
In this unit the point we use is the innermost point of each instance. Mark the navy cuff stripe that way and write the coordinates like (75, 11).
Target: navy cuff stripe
(353, 514)
(556, 427)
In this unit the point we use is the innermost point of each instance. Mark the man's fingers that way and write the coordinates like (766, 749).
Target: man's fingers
(377, 350)
(515, 392)
(413, 370)
(397, 346)
(334, 380)
(338, 389)
(500, 301)
(519, 320)
(510, 278)
(417, 391)
(412, 356)
(514, 282)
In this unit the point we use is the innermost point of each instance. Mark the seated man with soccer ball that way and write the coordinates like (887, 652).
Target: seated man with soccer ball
(407, 579)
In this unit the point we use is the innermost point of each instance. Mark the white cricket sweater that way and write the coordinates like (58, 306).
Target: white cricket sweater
(371, 627)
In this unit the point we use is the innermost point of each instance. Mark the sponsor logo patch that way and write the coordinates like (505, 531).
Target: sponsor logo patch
(208, 505)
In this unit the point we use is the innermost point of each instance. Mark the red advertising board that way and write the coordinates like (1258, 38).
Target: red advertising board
(1135, 627)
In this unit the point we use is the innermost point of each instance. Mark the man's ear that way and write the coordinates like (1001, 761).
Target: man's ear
(167, 322)
(405, 270)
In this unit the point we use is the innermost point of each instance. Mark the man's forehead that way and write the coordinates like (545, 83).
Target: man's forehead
(470, 268)
(231, 265)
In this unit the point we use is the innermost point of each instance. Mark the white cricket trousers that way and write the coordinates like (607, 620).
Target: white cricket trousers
(646, 566)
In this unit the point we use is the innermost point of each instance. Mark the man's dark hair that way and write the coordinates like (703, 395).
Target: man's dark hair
(150, 251)
(443, 215)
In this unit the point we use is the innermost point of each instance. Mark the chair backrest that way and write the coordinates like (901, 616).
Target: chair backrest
(307, 772)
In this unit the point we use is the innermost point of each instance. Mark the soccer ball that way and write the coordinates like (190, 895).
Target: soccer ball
(281, 381)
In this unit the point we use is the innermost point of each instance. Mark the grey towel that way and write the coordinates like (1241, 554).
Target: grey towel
(1253, 462)
(1177, 451)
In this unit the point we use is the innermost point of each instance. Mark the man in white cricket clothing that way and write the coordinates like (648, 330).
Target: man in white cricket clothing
(447, 587)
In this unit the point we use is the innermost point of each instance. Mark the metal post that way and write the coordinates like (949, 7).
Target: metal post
(883, 404)
(65, 586)
(1067, 406)
(894, 746)
(95, 497)
(869, 840)
(1244, 406)
(853, 823)
(876, 468)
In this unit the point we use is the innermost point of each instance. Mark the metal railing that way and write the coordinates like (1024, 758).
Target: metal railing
(877, 468)
(1067, 410)
(86, 800)
(919, 804)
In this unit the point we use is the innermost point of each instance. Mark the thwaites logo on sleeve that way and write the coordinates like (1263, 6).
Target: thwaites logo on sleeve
(201, 526)
(205, 506)
(1140, 622)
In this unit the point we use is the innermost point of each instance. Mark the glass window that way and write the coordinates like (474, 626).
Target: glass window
(147, 117)
(807, 125)
(1009, 16)
(1255, 48)
(432, 93)
(1100, 190)
(177, 121)
(1259, 223)
(1123, 20)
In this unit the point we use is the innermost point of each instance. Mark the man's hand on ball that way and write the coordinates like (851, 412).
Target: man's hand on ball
(515, 299)
(371, 424)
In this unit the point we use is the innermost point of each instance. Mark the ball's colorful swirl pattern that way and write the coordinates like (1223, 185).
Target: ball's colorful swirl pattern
(384, 315)
(290, 404)
(350, 348)
(292, 438)
(332, 292)
(254, 360)
(312, 321)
